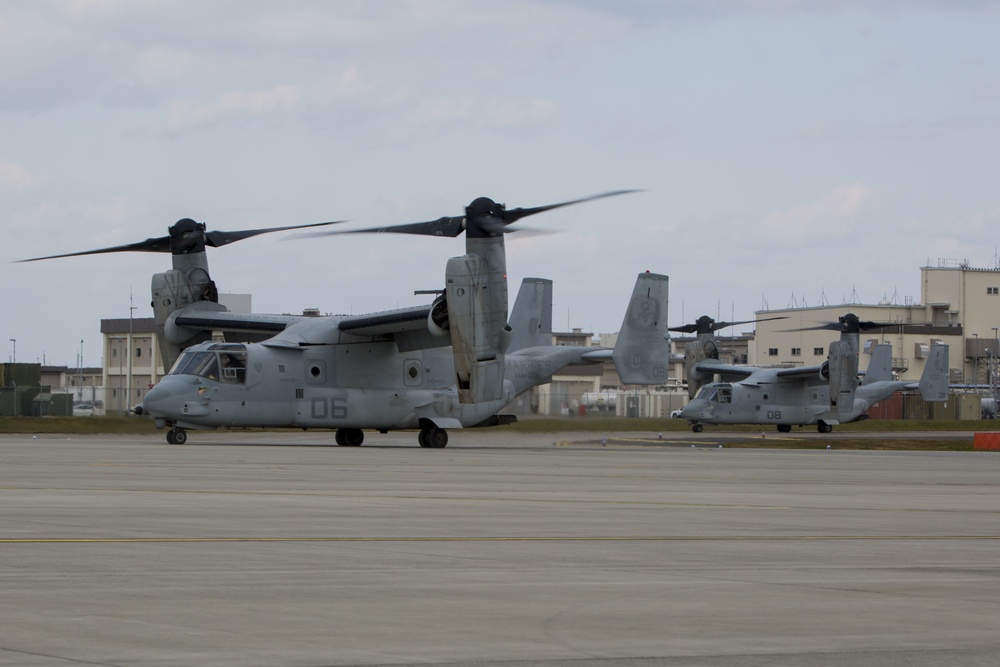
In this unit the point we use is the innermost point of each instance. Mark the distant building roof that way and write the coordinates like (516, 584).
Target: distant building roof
(124, 325)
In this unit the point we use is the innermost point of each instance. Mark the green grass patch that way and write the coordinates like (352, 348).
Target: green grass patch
(78, 425)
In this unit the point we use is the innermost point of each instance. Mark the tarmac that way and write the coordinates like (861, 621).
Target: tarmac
(260, 548)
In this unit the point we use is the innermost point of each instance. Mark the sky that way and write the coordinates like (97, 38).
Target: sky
(787, 153)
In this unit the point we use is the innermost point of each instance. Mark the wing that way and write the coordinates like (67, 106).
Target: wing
(387, 323)
(242, 322)
(752, 374)
(729, 372)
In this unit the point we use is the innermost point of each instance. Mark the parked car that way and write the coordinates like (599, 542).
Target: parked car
(83, 409)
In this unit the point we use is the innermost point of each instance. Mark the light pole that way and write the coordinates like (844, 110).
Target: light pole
(975, 361)
(13, 354)
(79, 374)
(131, 309)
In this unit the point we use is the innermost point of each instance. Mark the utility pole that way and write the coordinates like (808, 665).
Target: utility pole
(131, 309)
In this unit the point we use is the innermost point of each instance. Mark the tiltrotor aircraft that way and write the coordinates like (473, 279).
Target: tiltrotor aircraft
(704, 347)
(452, 364)
(824, 395)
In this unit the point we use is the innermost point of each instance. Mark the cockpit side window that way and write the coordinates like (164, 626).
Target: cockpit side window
(234, 366)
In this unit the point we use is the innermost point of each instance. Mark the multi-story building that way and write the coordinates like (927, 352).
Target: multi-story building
(959, 306)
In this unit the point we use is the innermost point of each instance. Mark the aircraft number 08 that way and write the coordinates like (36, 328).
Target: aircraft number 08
(774, 414)
(329, 408)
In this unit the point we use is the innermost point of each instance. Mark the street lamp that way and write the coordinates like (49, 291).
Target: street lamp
(975, 361)
(13, 354)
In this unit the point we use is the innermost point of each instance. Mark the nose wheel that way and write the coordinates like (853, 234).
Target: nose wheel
(177, 436)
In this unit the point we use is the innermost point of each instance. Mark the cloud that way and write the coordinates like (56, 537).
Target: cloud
(834, 214)
(232, 106)
(15, 177)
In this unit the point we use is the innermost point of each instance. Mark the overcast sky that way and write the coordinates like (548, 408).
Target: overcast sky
(789, 152)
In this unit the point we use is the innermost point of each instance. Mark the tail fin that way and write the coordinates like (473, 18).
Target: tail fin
(642, 353)
(880, 366)
(934, 379)
(531, 316)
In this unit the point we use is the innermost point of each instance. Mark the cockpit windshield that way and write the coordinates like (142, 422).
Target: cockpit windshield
(709, 392)
(718, 392)
(224, 362)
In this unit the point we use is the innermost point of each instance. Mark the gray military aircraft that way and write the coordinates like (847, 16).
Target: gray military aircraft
(704, 347)
(824, 395)
(454, 363)
(188, 291)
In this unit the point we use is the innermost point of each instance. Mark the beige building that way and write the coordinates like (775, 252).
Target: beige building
(132, 362)
(959, 306)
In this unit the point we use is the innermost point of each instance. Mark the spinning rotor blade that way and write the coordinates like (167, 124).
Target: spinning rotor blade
(185, 236)
(706, 324)
(159, 244)
(518, 213)
(219, 239)
(851, 324)
(441, 227)
(483, 218)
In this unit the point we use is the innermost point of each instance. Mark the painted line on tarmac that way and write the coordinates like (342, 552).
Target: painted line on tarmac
(594, 538)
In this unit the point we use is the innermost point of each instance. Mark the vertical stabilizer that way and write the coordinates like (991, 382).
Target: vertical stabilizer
(531, 317)
(934, 379)
(880, 366)
(642, 353)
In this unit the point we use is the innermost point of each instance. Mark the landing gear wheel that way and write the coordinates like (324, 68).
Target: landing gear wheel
(177, 436)
(823, 427)
(697, 428)
(349, 437)
(784, 428)
(434, 438)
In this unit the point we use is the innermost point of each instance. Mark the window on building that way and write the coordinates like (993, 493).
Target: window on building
(772, 351)
(138, 352)
(796, 351)
(993, 290)
(818, 351)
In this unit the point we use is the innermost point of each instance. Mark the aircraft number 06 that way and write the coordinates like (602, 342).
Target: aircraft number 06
(329, 408)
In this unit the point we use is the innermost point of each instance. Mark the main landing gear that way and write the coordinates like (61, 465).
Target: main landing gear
(177, 436)
(434, 438)
(349, 437)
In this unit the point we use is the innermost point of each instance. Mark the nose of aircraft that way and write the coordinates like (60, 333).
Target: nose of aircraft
(164, 399)
(697, 408)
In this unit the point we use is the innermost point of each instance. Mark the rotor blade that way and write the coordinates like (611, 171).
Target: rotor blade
(723, 325)
(219, 239)
(711, 326)
(516, 214)
(441, 227)
(158, 244)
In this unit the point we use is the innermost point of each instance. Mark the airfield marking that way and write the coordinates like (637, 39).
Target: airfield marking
(606, 538)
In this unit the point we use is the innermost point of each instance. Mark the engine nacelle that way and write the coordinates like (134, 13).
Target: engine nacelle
(477, 321)
(437, 319)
